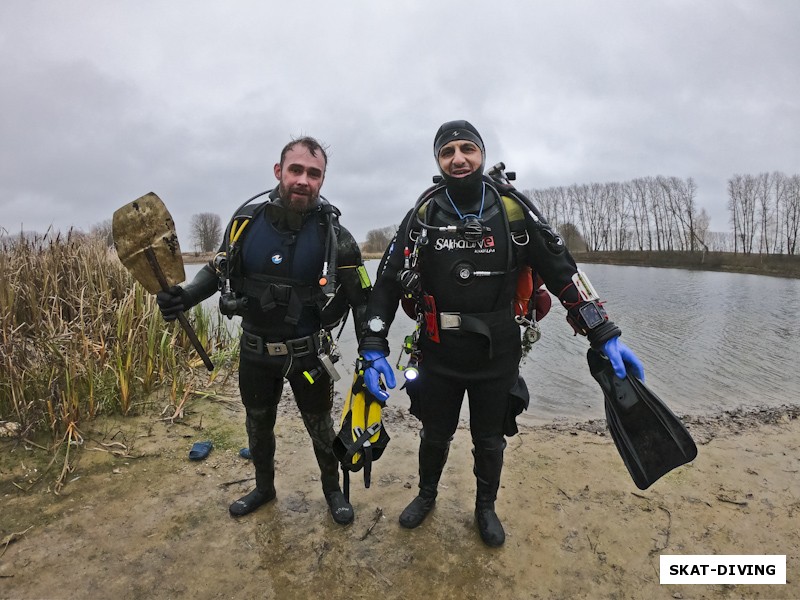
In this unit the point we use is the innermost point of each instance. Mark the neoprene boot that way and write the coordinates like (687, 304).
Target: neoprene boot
(320, 428)
(260, 425)
(432, 458)
(488, 455)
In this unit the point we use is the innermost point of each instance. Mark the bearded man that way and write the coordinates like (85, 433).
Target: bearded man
(292, 272)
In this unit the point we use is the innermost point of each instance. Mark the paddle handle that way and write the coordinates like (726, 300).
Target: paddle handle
(187, 327)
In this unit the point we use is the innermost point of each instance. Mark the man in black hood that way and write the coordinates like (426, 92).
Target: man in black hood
(459, 254)
(461, 164)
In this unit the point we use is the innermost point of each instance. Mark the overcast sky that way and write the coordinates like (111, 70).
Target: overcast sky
(104, 101)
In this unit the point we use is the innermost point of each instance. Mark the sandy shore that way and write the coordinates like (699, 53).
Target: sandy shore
(139, 520)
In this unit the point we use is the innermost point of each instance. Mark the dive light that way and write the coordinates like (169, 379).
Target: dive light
(411, 372)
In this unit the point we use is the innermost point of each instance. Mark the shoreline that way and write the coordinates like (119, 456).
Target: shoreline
(703, 428)
(772, 265)
(138, 519)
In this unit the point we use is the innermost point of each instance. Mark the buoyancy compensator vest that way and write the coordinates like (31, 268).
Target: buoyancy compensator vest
(255, 262)
(531, 300)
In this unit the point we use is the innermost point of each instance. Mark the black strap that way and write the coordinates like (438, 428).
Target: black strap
(273, 291)
(473, 324)
(367, 466)
(346, 483)
(294, 308)
(482, 323)
(358, 444)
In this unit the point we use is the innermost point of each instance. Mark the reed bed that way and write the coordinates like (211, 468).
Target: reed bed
(79, 338)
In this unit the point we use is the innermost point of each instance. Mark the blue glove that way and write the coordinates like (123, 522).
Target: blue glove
(372, 374)
(620, 355)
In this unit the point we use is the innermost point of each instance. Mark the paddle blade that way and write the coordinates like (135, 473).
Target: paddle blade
(145, 224)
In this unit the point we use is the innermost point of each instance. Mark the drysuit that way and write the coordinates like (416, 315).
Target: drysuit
(274, 274)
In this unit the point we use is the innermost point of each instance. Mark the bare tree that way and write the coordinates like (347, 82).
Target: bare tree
(680, 195)
(378, 239)
(554, 204)
(701, 224)
(734, 206)
(206, 231)
(742, 204)
(661, 214)
(749, 203)
(719, 241)
(572, 237)
(103, 231)
(766, 210)
(580, 198)
(637, 192)
(791, 214)
(619, 213)
(779, 185)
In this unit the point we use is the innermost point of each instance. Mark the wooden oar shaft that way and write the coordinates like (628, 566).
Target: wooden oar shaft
(187, 327)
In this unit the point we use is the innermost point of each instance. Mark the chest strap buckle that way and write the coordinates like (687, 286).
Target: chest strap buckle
(450, 320)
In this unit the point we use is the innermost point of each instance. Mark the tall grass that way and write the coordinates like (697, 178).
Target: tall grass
(79, 337)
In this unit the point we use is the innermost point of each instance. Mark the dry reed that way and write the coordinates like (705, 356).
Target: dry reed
(79, 337)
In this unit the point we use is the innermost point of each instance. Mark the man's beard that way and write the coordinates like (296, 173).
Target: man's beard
(297, 204)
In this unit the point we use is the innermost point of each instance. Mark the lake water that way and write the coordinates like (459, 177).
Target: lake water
(709, 342)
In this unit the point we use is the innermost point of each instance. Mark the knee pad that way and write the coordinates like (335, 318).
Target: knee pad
(426, 439)
(320, 428)
(492, 443)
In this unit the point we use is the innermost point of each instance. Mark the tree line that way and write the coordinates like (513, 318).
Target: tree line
(765, 213)
(647, 213)
(661, 213)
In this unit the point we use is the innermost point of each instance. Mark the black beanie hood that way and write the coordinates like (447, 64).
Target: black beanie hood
(459, 130)
(456, 130)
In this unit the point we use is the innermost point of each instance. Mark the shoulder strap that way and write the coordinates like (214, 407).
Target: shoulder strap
(240, 221)
(513, 210)
(422, 213)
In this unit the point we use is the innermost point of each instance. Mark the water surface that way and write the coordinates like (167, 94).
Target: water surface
(709, 342)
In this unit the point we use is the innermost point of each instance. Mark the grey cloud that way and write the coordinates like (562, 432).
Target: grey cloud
(103, 102)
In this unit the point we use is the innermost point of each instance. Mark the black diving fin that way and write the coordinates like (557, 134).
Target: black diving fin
(362, 437)
(651, 440)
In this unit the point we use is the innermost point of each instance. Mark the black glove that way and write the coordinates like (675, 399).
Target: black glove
(173, 302)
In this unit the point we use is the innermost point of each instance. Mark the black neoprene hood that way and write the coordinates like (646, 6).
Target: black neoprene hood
(456, 130)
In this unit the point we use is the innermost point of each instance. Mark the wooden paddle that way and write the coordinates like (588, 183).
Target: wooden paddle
(147, 244)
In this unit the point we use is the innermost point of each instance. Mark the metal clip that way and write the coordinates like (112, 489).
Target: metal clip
(531, 332)
(329, 367)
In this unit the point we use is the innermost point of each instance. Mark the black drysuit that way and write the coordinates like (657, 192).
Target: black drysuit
(276, 266)
(473, 286)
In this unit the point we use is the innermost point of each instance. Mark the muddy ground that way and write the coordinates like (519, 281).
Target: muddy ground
(137, 519)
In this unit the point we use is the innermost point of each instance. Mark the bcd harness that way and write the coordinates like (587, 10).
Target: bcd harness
(271, 291)
(331, 304)
(422, 307)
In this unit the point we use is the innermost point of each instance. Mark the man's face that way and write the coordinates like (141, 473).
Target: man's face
(460, 158)
(300, 178)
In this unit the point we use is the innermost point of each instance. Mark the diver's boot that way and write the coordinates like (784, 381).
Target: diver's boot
(432, 458)
(320, 428)
(260, 424)
(488, 466)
